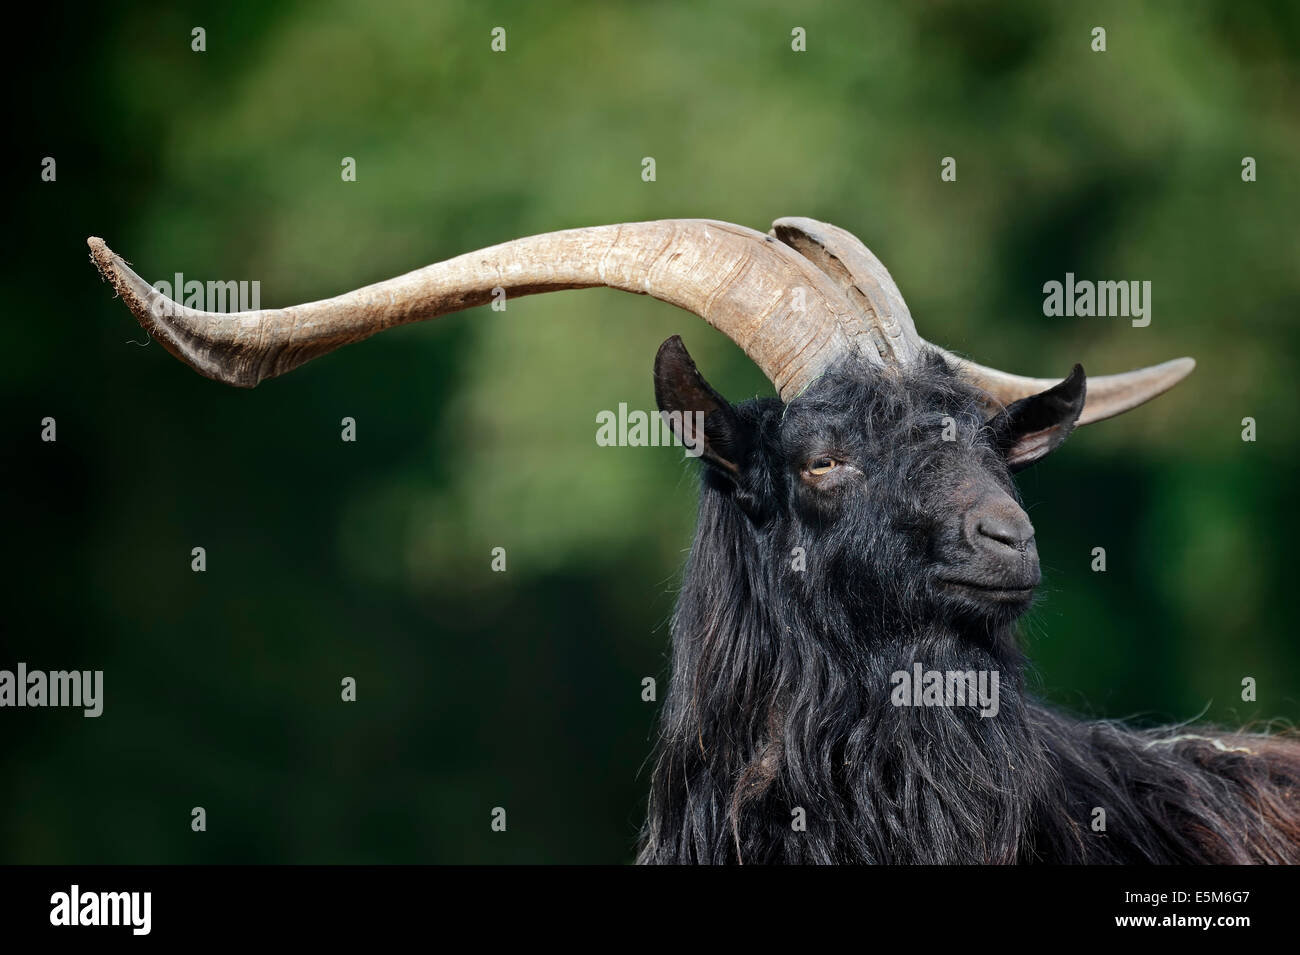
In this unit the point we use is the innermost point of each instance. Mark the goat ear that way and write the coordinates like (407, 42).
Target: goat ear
(1030, 428)
(686, 400)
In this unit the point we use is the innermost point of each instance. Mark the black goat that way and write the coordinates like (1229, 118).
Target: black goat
(860, 563)
(841, 541)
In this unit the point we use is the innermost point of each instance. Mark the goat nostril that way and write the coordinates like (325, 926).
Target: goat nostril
(1011, 533)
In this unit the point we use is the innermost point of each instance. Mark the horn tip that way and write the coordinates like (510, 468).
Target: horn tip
(116, 272)
(101, 255)
(1175, 370)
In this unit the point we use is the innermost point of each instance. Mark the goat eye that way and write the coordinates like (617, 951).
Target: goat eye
(819, 466)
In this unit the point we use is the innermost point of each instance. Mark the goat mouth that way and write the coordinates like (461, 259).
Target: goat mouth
(998, 592)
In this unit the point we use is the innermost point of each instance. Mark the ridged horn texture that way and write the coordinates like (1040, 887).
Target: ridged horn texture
(776, 305)
(796, 306)
(887, 324)
(868, 285)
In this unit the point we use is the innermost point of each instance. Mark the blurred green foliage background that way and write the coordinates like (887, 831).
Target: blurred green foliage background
(371, 560)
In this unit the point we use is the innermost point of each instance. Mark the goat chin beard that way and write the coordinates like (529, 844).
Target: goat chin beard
(958, 632)
(986, 622)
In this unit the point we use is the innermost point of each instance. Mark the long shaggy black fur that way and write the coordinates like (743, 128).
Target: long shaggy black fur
(780, 691)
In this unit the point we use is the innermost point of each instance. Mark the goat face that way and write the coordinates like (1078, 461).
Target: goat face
(888, 493)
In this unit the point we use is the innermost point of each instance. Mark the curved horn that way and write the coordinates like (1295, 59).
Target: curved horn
(739, 280)
(867, 283)
(1108, 395)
